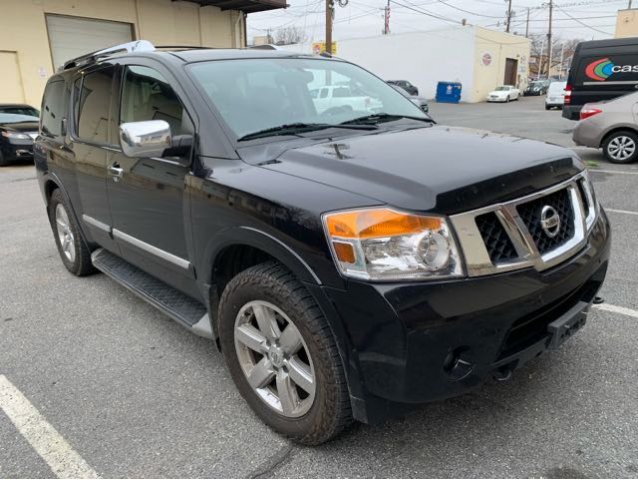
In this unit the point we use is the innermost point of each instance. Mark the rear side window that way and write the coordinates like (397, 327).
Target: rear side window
(93, 108)
(147, 95)
(53, 109)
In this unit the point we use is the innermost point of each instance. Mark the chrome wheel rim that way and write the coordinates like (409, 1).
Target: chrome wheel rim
(275, 358)
(65, 235)
(621, 147)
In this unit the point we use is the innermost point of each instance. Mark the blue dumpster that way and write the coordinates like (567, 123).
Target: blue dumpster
(448, 92)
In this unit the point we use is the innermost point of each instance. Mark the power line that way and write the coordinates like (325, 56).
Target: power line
(467, 11)
(582, 23)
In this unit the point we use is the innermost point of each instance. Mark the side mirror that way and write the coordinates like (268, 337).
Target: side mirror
(145, 139)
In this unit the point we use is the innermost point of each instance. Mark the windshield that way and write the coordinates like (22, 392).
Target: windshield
(11, 118)
(253, 95)
(19, 110)
(502, 88)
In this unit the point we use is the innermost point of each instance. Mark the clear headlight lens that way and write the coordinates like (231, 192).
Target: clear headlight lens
(15, 135)
(384, 244)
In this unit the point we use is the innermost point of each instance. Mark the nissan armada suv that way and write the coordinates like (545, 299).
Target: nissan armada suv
(347, 263)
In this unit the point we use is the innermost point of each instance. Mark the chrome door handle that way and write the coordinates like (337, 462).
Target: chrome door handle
(116, 172)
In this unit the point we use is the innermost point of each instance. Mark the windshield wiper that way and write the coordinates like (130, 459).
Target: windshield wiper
(296, 128)
(377, 118)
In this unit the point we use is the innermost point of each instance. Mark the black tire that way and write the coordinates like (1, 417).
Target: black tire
(547, 107)
(508, 99)
(80, 265)
(330, 411)
(609, 142)
(3, 161)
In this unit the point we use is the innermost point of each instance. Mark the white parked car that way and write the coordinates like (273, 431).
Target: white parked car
(504, 93)
(555, 95)
(333, 97)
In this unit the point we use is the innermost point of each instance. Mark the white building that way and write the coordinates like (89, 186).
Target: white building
(478, 58)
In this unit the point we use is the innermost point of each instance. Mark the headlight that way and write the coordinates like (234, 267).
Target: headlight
(15, 135)
(383, 244)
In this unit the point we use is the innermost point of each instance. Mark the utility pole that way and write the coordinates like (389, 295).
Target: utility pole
(629, 6)
(509, 15)
(549, 38)
(330, 5)
(527, 25)
(386, 17)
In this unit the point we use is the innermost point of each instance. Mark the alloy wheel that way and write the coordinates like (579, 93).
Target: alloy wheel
(65, 235)
(621, 148)
(275, 358)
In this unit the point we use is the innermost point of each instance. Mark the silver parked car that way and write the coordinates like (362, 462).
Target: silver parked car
(612, 126)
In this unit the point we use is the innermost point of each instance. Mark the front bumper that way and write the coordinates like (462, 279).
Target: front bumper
(17, 151)
(417, 342)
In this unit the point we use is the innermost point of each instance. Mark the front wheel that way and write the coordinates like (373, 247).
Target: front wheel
(282, 355)
(621, 147)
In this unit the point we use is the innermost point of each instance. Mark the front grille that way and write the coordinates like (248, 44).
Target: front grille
(530, 213)
(497, 242)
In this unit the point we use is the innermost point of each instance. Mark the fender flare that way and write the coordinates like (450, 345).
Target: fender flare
(253, 237)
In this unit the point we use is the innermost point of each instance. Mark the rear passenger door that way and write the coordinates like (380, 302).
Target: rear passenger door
(90, 132)
(149, 205)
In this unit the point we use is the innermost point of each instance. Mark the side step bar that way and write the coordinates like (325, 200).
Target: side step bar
(180, 307)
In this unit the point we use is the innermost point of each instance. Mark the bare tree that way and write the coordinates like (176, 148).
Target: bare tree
(562, 53)
(290, 35)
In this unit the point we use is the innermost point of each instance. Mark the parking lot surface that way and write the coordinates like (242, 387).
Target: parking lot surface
(132, 394)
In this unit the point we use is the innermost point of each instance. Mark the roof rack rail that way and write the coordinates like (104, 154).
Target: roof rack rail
(136, 46)
(265, 46)
(183, 47)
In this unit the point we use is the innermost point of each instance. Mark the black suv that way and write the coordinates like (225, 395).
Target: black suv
(349, 258)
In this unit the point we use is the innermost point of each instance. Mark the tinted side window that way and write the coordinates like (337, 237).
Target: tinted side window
(53, 109)
(93, 109)
(147, 95)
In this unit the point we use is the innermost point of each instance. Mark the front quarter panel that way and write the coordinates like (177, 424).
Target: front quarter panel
(281, 216)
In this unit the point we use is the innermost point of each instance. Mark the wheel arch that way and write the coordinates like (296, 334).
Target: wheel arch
(615, 129)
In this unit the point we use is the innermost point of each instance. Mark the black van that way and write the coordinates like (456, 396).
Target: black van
(600, 70)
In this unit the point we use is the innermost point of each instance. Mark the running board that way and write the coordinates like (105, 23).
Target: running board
(180, 307)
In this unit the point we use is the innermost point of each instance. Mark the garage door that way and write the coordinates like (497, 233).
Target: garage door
(10, 81)
(71, 37)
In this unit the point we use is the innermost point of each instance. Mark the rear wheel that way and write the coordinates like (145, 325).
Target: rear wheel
(282, 355)
(621, 147)
(72, 247)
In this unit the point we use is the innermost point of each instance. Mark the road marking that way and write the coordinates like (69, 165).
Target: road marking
(45, 440)
(626, 212)
(618, 172)
(615, 309)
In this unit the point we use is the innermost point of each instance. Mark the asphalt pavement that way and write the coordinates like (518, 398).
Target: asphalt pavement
(133, 394)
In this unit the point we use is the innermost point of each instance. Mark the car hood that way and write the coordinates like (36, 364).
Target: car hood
(20, 127)
(442, 169)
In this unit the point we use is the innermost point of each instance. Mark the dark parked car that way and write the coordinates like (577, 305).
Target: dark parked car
(17, 133)
(405, 85)
(600, 70)
(19, 109)
(536, 88)
(420, 102)
(348, 263)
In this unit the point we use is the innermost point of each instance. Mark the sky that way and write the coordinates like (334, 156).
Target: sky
(582, 19)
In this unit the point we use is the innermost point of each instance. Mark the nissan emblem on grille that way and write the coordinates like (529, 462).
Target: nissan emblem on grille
(550, 221)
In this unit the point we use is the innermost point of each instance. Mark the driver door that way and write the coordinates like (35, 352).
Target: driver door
(149, 204)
